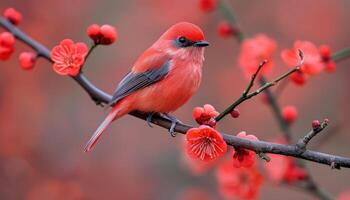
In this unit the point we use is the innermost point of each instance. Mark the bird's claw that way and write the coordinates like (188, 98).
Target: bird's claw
(174, 121)
(149, 119)
(172, 128)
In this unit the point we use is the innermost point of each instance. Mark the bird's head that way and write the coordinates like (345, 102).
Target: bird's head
(183, 40)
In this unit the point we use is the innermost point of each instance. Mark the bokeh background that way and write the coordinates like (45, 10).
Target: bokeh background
(45, 119)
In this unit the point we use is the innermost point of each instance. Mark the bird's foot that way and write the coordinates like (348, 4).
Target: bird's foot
(174, 121)
(149, 119)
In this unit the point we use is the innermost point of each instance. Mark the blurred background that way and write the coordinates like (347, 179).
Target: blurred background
(46, 119)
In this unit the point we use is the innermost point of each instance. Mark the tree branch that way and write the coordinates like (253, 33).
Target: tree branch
(303, 142)
(259, 146)
(246, 95)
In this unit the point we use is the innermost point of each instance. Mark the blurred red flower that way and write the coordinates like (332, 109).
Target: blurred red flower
(325, 52)
(225, 29)
(344, 196)
(254, 51)
(105, 35)
(207, 5)
(243, 183)
(312, 60)
(7, 42)
(283, 168)
(243, 157)
(326, 55)
(298, 78)
(289, 113)
(205, 115)
(205, 143)
(27, 60)
(330, 66)
(13, 16)
(68, 57)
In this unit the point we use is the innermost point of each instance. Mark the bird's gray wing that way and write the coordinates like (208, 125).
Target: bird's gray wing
(136, 81)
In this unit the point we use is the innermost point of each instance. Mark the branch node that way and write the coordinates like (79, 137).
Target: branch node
(303, 142)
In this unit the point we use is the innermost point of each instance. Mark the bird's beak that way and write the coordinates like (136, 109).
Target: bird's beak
(202, 43)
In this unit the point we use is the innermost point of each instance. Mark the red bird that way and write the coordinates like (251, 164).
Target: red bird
(162, 79)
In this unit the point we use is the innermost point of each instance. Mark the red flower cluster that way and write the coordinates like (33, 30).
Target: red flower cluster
(315, 60)
(68, 57)
(283, 168)
(13, 16)
(207, 5)
(289, 113)
(254, 51)
(205, 115)
(243, 157)
(205, 143)
(105, 35)
(243, 183)
(7, 42)
(326, 53)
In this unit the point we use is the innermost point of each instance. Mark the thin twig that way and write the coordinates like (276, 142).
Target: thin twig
(245, 96)
(252, 80)
(303, 142)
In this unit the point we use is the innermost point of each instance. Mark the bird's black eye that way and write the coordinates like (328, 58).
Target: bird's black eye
(182, 39)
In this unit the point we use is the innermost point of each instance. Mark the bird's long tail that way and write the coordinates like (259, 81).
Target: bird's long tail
(112, 115)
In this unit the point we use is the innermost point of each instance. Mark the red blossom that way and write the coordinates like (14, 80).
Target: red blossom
(205, 143)
(27, 60)
(283, 168)
(312, 60)
(330, 66)
(105, 35)
(225, 29)
(205, 115)
(242, 183)
(298, 78)
(289, 113)
(207, 5)
(244, 157)
(68, 57)
(13, 16)
(7, 41)
(254, 51)
(325, 52)
(195, 166)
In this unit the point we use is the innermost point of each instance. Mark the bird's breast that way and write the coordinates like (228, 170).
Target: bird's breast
(174, 90)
